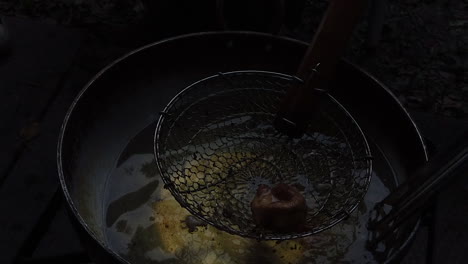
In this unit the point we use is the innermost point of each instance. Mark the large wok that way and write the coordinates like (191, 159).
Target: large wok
(112, 121)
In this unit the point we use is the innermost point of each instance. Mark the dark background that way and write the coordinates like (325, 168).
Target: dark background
(56, 46)
(421, 56)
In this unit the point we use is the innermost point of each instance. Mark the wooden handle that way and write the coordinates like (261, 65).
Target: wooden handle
(331, 39)
(323, 55)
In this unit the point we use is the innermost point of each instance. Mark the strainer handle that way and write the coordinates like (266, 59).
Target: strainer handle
(319, 63)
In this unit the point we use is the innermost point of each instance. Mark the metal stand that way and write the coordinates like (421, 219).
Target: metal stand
(416, 194)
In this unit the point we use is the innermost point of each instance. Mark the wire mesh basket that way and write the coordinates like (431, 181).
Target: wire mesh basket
(215, 144)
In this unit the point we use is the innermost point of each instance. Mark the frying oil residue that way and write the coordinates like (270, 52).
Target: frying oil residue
(145, 224)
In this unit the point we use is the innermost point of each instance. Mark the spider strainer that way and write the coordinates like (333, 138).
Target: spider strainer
(215, 143)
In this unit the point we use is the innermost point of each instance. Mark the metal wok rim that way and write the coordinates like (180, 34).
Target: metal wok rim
(69, 113)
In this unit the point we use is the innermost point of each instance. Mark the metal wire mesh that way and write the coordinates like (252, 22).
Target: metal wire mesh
(215, 144)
